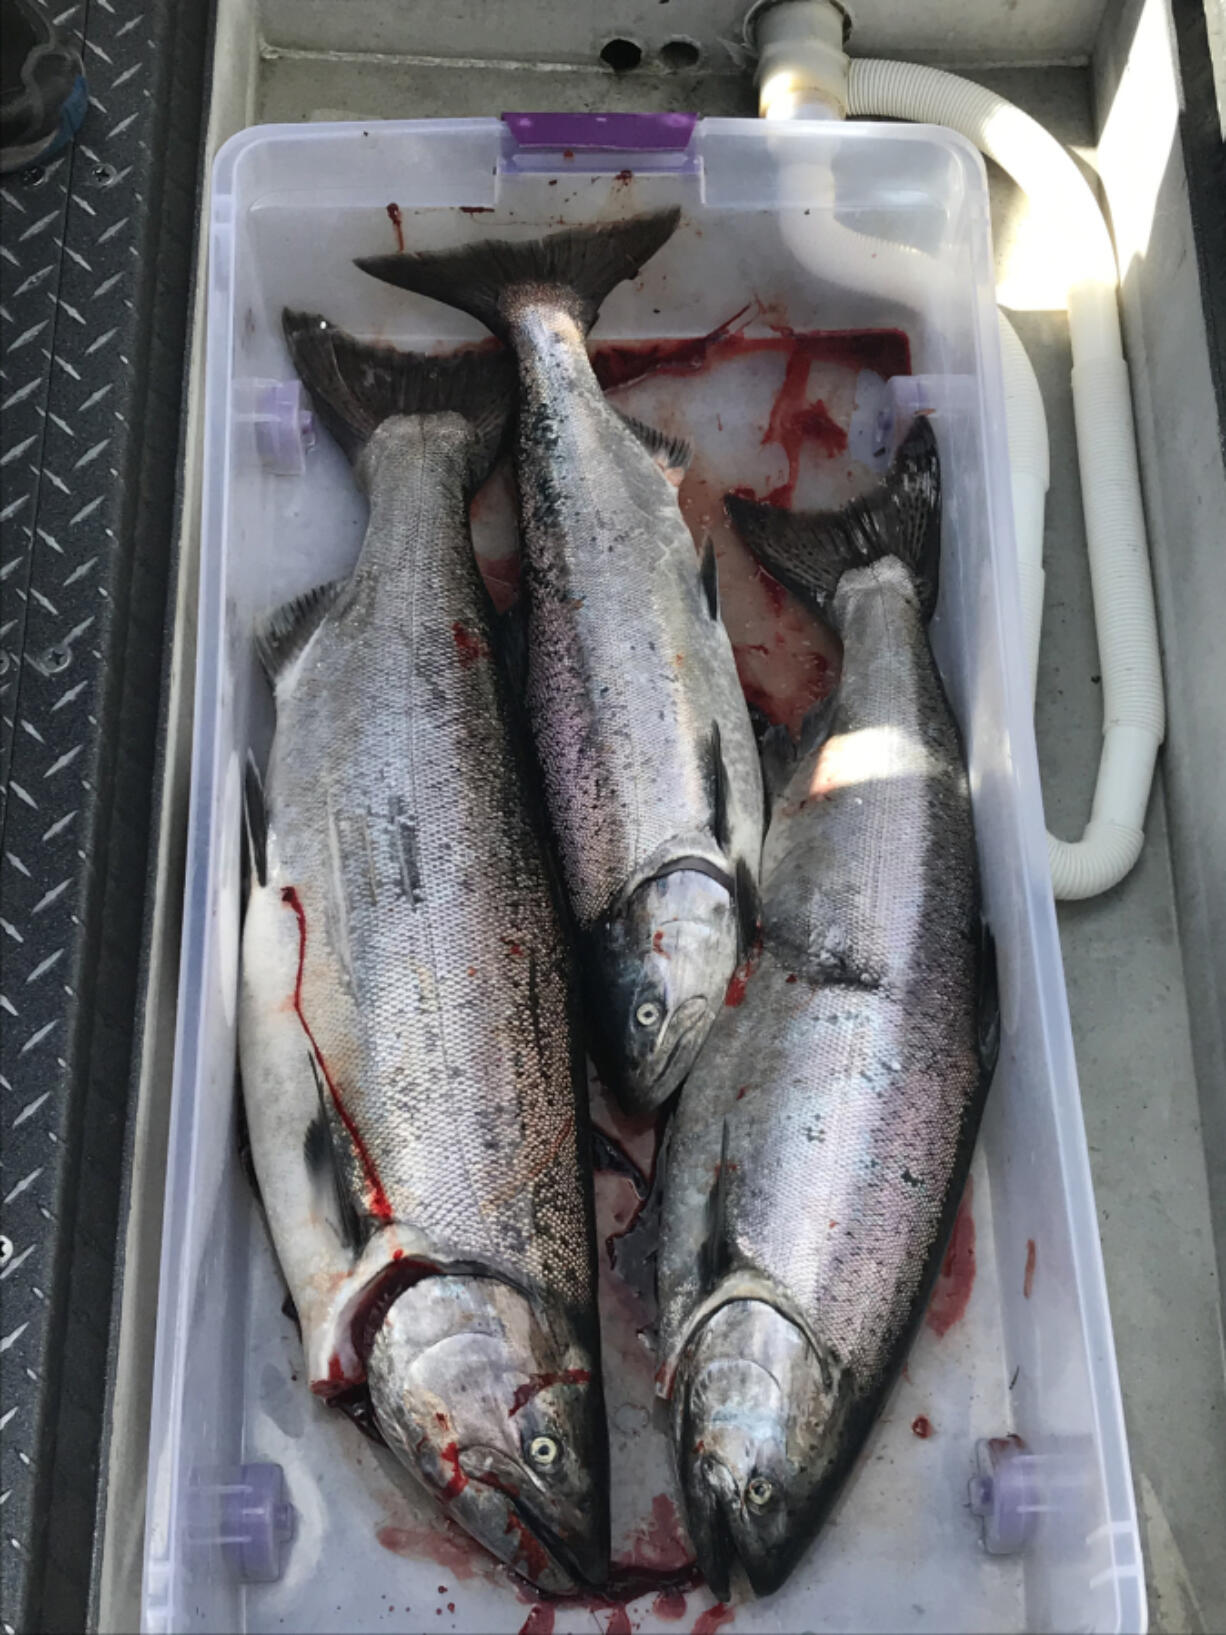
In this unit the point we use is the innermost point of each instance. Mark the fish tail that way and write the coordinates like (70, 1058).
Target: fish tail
(355, 385)
(809, 552)
(581, 265)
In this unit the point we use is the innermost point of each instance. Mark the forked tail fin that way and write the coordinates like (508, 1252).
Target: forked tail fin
(810, 551)
(582, 264)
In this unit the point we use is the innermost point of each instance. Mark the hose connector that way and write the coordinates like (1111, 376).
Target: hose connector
(802, 67)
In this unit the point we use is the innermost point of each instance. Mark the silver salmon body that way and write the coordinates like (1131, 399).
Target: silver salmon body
(821, 1143)
(642, 734)
(407, 1039)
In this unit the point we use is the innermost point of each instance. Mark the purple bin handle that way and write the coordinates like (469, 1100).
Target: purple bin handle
(602, 132)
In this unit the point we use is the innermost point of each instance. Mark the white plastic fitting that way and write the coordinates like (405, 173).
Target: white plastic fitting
(1133, 708)
(802, 67)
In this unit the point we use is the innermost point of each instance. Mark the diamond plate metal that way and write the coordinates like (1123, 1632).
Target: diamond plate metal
(94, 272)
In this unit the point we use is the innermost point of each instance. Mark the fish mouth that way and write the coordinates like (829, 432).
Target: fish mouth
(589, 1568)
(714, 1544)
(717, 1527)
(552, 1563)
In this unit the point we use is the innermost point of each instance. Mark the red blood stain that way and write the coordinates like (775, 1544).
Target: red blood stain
(476, 209)
(568, 153)
(791, 977)
(442, 1542)
(1028, 1280)
(794, 419)
(530, 1551)
(377, 1300)
(451, 1606)
(885, 351)
(542, 1382)
(741, 1092)
(455, 1483)
(709, 1621)
(442, 1589)
(624, 176)
(957, 1275)
(539, 1620)
(469, 646)
(660, 1545)
(669, 1606)
(618, 365)
(921, 1426)
(376, 1199)
(337, 1379)
(657, 942)
(624, 1585)
(513, 947)
(759, 680)
(619, 1622)
(397, 221)
(738, 982)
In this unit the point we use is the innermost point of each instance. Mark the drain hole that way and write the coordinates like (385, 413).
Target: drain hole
(680, 54)
(622, 55)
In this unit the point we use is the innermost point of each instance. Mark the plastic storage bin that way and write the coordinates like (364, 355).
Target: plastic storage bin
(995, 1493)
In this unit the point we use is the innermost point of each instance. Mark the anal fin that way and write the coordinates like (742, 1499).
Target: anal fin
(671, 454)
(319, 1156)
(988, 1004)
(708, 577)
(255, 822)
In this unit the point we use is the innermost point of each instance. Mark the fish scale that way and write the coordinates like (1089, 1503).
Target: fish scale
(626, 671)
(821, 1142)
(642, 734)
(438, 1002)
(407, 1032)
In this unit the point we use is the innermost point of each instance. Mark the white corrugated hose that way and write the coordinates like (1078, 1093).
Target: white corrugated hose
(798, 80)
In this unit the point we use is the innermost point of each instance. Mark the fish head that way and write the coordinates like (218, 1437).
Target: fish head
(498, 1413)
(664, 962)
(756, 1416)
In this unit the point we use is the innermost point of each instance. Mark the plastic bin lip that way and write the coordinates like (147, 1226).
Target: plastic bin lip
(229, 156)
(212, 751)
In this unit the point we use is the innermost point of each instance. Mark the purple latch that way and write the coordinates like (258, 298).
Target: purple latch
(602, 133)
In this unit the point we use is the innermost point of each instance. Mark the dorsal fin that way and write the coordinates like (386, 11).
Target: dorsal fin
(671, 454)
(282, 634)
(708, 577)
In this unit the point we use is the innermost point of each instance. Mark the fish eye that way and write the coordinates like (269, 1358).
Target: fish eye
(543, 1452)
(759, 1492)
(648, 1014)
